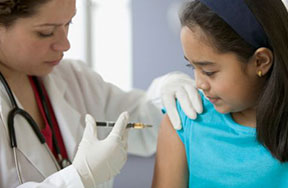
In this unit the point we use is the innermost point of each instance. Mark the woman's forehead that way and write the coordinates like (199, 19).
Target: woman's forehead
(56, 10)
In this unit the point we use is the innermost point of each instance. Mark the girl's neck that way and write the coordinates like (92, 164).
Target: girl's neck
(246, 117)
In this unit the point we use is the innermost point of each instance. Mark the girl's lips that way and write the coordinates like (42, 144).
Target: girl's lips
(213, 99)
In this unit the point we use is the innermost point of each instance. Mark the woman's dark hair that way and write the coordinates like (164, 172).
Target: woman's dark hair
(11, 10)
(272, 109)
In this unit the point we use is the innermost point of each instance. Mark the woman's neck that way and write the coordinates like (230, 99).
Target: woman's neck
(21, 87)
(14, 78)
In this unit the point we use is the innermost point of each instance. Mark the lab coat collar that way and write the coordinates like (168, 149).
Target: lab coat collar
(28, 145)
(67, 117)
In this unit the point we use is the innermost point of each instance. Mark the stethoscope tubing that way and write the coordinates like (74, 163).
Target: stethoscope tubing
(17, 111)
(17, 165)
(46, 111)
(11, 129)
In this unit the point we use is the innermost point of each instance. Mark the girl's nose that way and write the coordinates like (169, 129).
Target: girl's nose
(201, 82)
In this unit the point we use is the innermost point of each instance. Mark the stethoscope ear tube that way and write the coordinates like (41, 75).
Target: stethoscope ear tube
(30, 120)
(11, 129)
(8, 90)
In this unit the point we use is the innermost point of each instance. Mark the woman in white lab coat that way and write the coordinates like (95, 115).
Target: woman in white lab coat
(33, 37)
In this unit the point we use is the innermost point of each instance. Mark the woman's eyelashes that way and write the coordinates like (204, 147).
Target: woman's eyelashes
(69, 23)
(45, 34)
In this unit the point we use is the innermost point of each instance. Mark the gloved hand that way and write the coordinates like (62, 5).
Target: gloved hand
(181, 86)
(97, 161)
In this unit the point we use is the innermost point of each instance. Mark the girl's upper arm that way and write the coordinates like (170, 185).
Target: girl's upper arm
(170, 166)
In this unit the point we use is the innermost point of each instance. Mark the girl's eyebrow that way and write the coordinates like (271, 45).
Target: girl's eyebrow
(200, 63)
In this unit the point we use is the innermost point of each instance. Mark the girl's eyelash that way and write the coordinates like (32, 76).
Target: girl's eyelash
(208, 73)
(204, 72)
(190, 66)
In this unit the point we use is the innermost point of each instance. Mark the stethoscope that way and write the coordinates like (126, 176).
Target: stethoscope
(61, 162)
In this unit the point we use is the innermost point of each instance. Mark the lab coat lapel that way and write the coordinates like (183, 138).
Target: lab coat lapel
(31, 151)
(68, 118)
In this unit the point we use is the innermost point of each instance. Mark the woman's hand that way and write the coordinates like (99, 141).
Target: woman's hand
(180, 86)
(97, 161)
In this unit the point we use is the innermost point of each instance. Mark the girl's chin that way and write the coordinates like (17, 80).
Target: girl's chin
(222, 109)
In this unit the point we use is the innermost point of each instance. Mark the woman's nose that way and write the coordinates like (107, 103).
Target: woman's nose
(62, 44)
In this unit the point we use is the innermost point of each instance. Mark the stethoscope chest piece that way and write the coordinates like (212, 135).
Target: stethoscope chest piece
(64, 163)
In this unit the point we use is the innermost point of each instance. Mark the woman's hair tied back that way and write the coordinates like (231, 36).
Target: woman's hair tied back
(11, 10)
(9, 6)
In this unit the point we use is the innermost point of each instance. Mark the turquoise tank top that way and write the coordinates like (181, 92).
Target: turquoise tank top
(223, 154)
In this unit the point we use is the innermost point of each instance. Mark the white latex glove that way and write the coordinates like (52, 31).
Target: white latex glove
(181, 86)
(97, 161)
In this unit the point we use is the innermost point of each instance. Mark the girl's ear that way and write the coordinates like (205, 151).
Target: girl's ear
(263, 60)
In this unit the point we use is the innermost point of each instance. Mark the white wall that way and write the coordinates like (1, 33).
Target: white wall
(101, 36)
(77, 36)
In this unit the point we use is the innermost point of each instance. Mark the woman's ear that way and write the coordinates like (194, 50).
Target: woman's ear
(2, 32)
(263, 61)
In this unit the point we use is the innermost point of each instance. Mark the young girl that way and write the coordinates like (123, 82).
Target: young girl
(238, 50)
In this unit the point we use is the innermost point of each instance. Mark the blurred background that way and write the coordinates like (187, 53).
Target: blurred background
(129, 42)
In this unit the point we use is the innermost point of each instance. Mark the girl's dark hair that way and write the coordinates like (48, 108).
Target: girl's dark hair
(221, 35)
(272, 109)
(11, 10)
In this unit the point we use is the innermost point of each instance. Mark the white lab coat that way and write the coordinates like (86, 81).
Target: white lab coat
(74, 90)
